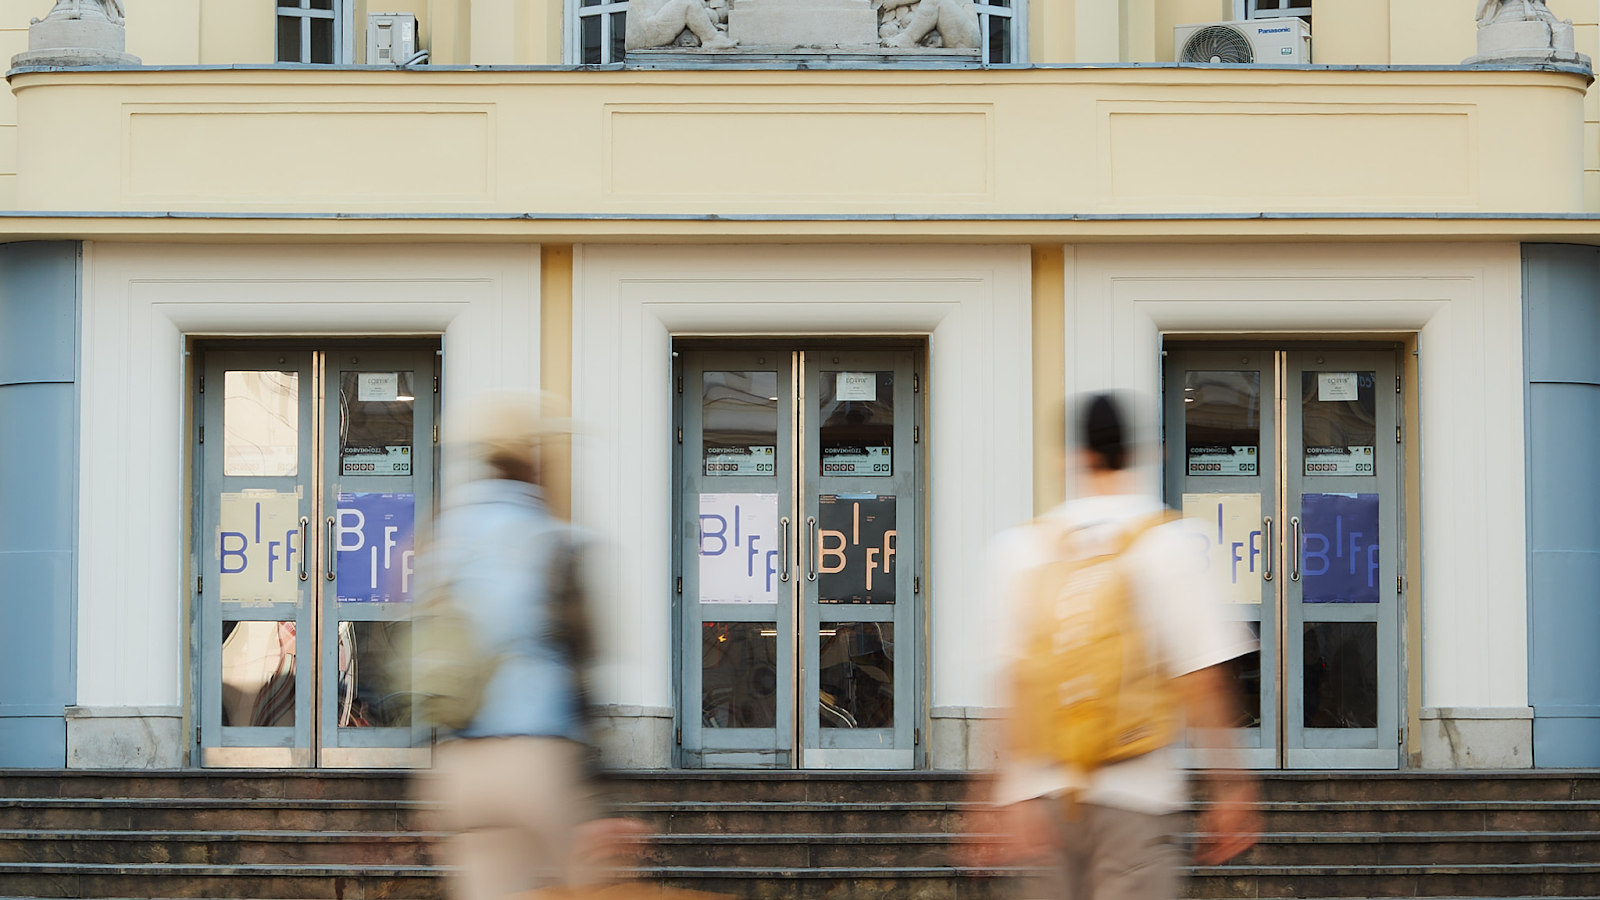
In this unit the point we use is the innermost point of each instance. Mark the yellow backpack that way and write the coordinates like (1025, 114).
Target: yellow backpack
(1087, 691)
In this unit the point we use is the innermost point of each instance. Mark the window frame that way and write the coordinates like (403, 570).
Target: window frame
(344, 50)
(1244, 10)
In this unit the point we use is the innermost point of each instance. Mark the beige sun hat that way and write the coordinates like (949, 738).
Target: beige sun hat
(506, 425)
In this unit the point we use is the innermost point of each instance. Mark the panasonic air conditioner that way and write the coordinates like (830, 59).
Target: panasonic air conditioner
(1260, 41)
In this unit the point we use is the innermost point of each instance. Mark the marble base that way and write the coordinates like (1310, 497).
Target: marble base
(125, 737)
(821, 24)
(634, 737)
(1476, 737)
(74, 57)
(964, 738)
(1526, 42)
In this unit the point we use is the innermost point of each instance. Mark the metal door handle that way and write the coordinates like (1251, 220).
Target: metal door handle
(783, 549)
(1266, 548)
(1294, 540)
(305, 546)
(327, 548)
(811, 551)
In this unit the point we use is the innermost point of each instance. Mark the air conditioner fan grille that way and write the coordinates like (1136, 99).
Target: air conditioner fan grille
(1217, 44)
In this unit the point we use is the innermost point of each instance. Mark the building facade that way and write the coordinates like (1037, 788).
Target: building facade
(817, 322)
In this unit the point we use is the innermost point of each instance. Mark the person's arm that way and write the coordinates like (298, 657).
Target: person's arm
(1229, 827)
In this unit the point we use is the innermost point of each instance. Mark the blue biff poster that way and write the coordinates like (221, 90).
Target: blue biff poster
(1339, 552)
(375, 547)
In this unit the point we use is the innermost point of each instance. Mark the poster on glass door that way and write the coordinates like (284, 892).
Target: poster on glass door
(258, 547)
(375, 547)
(855, 548)
(1228, 528)
(739, 548)
(1339, 553)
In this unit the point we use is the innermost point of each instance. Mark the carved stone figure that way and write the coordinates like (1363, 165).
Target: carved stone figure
(955, 20)
(1523, 32)
(74, 9)
(658, 23)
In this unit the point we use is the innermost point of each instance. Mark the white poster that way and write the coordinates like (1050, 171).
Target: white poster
(258, 548)
(1230, 527)
(739, 548)
(1337, 386)
(856, 386)
(378, 386)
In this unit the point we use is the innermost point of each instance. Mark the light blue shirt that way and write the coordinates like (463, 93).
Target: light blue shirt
(495, 541)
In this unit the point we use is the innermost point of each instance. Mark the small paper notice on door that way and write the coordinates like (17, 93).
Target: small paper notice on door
(856, 386)
(378, 386)
(1337, 386)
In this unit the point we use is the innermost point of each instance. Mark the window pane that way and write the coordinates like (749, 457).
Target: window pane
(590, 26)
(1222, 422)
(289, 39)
(999, 50)
(261, 423)
(855, 677)
(377, 412)
(739, 422)
(289, 4)
(619, 34)
(857, 432)
(322, 41)
(374, 686)
(738, 674)
(322, 4)
(1341, 674)
(258, 674)
(1338, 422)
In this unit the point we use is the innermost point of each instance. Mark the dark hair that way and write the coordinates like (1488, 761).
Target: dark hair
(1101, 432)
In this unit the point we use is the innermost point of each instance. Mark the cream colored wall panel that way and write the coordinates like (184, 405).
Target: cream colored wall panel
(1052, 31)
(1011, 142)
(1139, 31)
(1581, 12)
(1591, 191)
(494, 34)
(361, 154)
(1272, 156)
(795, 152)
(165, 32)
(1097, 31)
(8, 149)
(1169, 13)
(16, 14)
(1351, 32)
(236, 33)
(8, 191)
(1431, 32)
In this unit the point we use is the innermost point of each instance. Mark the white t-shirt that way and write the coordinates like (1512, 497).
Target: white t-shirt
(1179, 609)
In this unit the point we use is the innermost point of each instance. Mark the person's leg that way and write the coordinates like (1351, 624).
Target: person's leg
(1134, 855)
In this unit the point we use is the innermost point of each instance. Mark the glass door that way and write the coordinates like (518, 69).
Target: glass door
(1290, 479)
(317, 469)
(798, 525)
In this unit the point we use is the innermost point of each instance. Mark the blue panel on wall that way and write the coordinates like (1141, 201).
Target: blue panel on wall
(39, 743)
(38, 467)
(1563, 629)
(1563, 315)
(36, 640)
(1566, 743)
(38, 311)
(1563, 474)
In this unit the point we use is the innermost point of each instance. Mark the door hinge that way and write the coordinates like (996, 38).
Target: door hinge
(197, 735)
(1400, 736)
(916, 434)
(916, 735)
(200, 584)
(202, 384)
(1397, 384)
(680, 384)
(1397, 434)
(436, 434)
(916, 584)
(1399, 584)
(916, 383)
(679, 735)
(202, 434)
(436, 384)
(680, 434)
(680, 584)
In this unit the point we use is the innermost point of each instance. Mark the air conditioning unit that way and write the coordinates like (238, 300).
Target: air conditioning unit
(391, 38)
(1260, 41)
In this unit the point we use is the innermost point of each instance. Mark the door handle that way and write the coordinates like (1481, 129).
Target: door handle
(305, 545)
(1266, 548)
(327, 548)
(811, 549)
(783, 545)
(1294, 540)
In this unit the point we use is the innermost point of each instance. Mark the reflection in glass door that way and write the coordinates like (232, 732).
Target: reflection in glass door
(1290, 480)
(319, 467)
(798, 507)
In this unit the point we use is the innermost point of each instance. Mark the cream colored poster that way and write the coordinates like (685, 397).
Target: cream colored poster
(258, 548)
(1230, 526)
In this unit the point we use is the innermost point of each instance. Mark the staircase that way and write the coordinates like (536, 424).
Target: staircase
(770, 835)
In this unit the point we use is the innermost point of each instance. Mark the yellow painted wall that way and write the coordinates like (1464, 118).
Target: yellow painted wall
(166, 32)
(234, 33)
(1052, 31)
(1026, 141)
(1351, 32)
(14, 18)
(1169, 13)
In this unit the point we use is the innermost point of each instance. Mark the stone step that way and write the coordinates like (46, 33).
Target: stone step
(788, 786)
(1423, 848)
(267, 882)
(165, 814)
(1543, 880)
(230, 848)
(244, 784)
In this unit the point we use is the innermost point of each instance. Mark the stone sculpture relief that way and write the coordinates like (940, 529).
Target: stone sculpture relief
(662, 23)
(904, 24)
(74, 9)
(1523, 32)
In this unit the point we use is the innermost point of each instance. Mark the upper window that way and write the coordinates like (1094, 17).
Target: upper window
(315, 31)
(1277, 9)
(596, 30)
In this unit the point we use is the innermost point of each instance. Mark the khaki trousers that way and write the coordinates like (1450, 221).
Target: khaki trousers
(1106, 853)
(513, 805)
